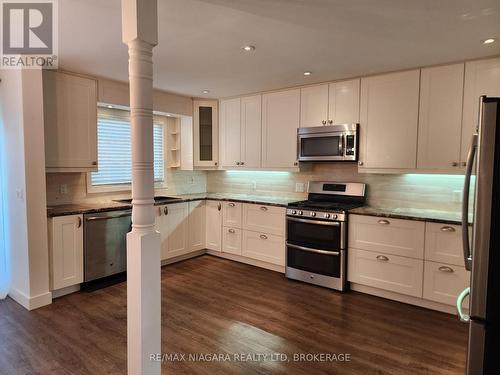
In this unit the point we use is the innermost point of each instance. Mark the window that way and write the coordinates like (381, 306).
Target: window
(114, 149)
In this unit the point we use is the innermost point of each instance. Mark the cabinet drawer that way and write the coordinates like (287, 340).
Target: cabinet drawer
(231, 240)
(443, 283)
(385, 271)
(232, 214)
(443, 243)
(265, 219)
(390, 236)
(265, 247)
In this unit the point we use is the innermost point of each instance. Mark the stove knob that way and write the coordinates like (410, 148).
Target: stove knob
(313, 214)
(294, 212)
(327, 216)
(300, 212)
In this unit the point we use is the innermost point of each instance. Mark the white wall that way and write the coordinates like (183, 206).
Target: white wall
(24, 194)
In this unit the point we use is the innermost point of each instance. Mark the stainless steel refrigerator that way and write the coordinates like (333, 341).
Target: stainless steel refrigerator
(482, 250)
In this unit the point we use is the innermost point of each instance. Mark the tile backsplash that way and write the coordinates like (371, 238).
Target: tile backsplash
(439, 192)
(178, 182)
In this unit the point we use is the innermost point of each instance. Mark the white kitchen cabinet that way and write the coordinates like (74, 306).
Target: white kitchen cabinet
(481, 78)
(70, 122)
(443, 243)
(264, 247)
(205, 134)
(385, 271)
(389, 236)
(280, 121)
(230, 132)
(240, 132)
(440, 117)
(231, 240)
(177, 229)
(388, 120)
(314, 106)
(264, 219)
(443, 282)
(232, 213)
(213, 230)
(343, 102)
(251, 131)
(330, 104)
(66, 251)
(196, 222)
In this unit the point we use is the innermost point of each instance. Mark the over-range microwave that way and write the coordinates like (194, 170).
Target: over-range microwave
(328, 143)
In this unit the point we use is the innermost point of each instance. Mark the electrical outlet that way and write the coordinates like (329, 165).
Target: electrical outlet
(299, 187)
(192, 180)
(20, 194)
(254, 185)
(63, 189)
(457, 196)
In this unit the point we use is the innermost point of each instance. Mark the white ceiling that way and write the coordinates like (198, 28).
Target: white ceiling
(200, 40)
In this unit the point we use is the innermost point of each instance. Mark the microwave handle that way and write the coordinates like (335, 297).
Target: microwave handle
(342, 145)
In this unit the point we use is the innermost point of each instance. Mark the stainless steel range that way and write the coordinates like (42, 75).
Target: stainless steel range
(316, 240)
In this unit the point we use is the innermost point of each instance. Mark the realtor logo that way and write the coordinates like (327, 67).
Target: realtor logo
(29, 34)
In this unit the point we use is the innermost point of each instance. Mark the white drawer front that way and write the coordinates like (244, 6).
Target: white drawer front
(231, 240)
(390, 236)
(443, 282)
(265, 247)
(266, 219)
(232, 214)
(443, 243)
(385, 271)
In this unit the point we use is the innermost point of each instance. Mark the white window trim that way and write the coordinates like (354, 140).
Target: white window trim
(115, 188)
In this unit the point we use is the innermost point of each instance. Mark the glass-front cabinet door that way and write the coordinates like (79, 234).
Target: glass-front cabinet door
(206, 150)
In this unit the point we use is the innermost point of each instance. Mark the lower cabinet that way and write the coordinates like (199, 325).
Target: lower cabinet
(196, 225)
(443, 282)
(213, 230)
(264, 247)
(231, 240)
(389, 272)
(66, 251)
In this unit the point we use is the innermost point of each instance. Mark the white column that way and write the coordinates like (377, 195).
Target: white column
(139, 19)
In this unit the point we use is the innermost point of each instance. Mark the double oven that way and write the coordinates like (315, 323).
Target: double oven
(316, 233)
(315, 249)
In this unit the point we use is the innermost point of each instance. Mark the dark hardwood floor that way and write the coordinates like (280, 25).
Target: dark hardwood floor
(215, 306)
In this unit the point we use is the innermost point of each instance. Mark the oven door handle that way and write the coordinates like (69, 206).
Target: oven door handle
(308, 221)
(317, 251)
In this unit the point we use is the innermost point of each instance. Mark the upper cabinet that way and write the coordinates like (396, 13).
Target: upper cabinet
(70, 122)
(481, 78)
(388, 120)
(330, 104)
(205, 148)
(280, 121)
(440, 117)
(240, 132)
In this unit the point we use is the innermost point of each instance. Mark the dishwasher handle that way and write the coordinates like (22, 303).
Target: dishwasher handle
(93, 218)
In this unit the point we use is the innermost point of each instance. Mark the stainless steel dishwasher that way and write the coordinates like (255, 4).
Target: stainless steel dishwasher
(106, 243)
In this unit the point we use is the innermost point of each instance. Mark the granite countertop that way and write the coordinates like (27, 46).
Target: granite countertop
(446, 217)
(86, 208)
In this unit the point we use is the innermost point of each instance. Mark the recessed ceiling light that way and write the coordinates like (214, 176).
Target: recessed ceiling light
(169, 115)
(205, 91)
(489, 41)
(110, 106)
(307, 73)
(248, 48)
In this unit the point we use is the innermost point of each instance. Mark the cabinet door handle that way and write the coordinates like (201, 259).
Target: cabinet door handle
(94, 163)
(296, 163)
(231, 204)
(79, 222)
(454, 164)
(360, 163)
(263, 208)
(215, 163)
(242, 163)
(263, 236)
(159, 211)
(219, 206)
(447, 229)
(237, 163)
(231, 230)
(463, 164)
(165, 210)
(382, 258)
(446, 269)
(383, 222)
(330, 122)
(323, 122)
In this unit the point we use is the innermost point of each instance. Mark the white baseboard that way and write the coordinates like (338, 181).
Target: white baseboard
(405, 299)
(253, 262)
(30, 303)
(183, 257)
